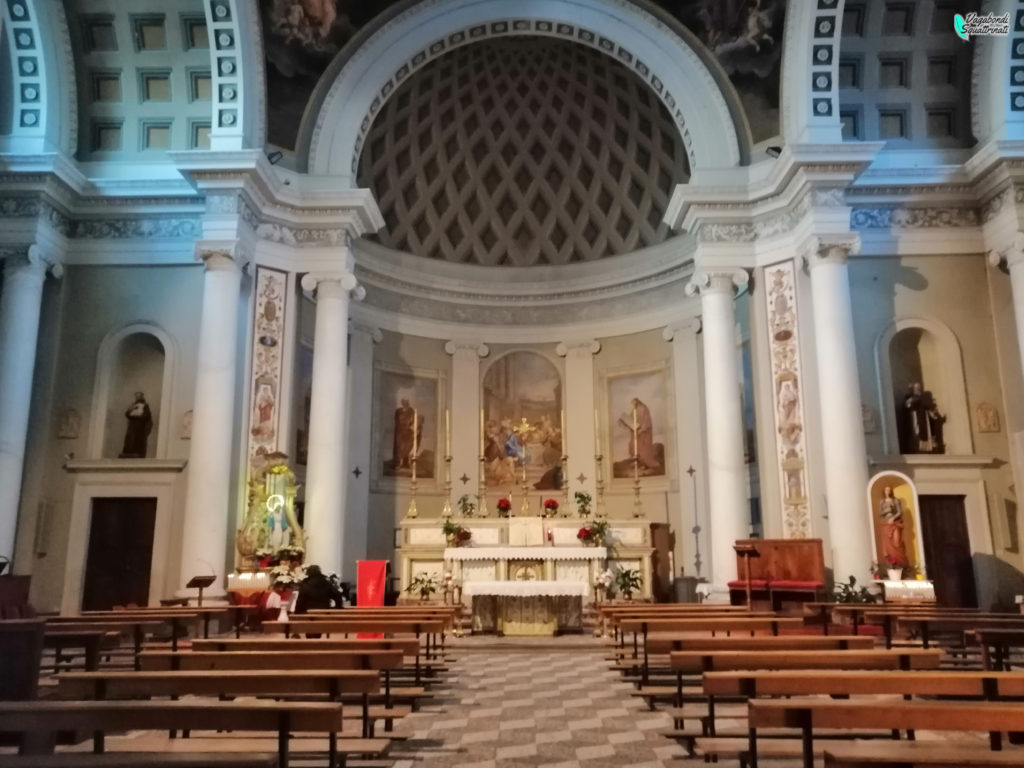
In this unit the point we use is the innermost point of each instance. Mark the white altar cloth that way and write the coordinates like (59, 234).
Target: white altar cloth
(525, 553)
(534, 588)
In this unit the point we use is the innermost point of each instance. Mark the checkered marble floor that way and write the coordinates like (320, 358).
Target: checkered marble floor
(518, 703)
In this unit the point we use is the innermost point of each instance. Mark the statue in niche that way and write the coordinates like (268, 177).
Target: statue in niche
(140, 424)
(919, 422)
(890, 510)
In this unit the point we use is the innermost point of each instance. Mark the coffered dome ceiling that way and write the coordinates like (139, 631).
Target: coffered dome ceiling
(523, 151)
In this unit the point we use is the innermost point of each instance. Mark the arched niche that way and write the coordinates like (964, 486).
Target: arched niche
(522, 384)
(925, 351)
(137, 358)
(905, 492)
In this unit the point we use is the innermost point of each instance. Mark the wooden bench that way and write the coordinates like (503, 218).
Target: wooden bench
(714, 625)
(137, 628)
(1001, 641)
(810, 714)
(331, 683)
(205, 614)
(21, 652)
(100, 717)
(141, 760)
(859, 682)
(915, 754)
(92, 643)
(928, 626)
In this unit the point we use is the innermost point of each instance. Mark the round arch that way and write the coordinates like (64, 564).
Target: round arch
(106, 359)
(953, 387)
(667, 57)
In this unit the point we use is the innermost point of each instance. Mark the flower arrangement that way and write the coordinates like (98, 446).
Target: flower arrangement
(593, 532)
(455, 533)
(851, 593)
(504, 507)
(466, 507)
(425, 584)
(283, 575)
(550, 507)
(628, 581)
(583, 500)
(604, 579)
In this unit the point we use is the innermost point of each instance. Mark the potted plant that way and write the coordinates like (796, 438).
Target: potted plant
(550, 507)
(895, 568)
(593, 533)
(850, 592)
(504, 507)
(602, 583)
(466, 507)
(455, 534)
(583, 500)
(424, 584)
(628, 581)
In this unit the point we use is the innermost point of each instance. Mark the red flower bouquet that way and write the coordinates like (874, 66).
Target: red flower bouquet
(504, 505)
(585, 534)
(551, 506)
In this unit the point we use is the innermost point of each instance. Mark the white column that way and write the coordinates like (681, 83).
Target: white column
(210, 471)
(846, 470)
(20, 305)
(465, 417)
(726, 466)
(326, 472)
(689, 445)
(1014, 260)
(360, 409)
(579, 403)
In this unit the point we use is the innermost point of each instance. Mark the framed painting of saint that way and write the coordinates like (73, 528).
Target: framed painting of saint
(407, 423)
(522, 386)
(638, 422)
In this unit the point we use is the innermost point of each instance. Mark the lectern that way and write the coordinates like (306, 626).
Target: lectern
(200, 583)
(746, 551)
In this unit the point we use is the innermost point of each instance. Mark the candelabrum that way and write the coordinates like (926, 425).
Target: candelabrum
(599, 510)
(565, 485)
(482, 495)
(524, 508)
(446, 510)
(412, 511)
(638, 509)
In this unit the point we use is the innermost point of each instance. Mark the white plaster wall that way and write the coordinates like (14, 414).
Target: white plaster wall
(89, 304)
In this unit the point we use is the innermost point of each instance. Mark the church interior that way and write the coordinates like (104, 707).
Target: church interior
(479, 382)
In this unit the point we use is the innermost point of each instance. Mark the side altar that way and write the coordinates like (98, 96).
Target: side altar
(518, 549)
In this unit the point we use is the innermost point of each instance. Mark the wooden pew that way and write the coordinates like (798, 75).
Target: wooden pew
(331, 683)
(141, 760)
(21, 651)
(911, 754)
(207, 612)
(92, 643)
(927, 626)
(408, 646)
(998, 640)
(421, 629)
(137, 627)
(611, 617)
(751, 684)
(822, 613)
(750, 624)
(811, 714)
(378, 661)
(99, 717)
(445, 614)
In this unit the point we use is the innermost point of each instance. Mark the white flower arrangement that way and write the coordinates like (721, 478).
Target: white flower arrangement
(604, 579)
(283, 574)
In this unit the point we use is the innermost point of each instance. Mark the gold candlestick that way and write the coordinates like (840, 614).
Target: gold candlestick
(481, 496)
(599, 510)
(524, 508)
(412, 511)
(446, 510)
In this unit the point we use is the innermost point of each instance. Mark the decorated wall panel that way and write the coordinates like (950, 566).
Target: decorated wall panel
(268, 339)
(407, 414)
(788, 398)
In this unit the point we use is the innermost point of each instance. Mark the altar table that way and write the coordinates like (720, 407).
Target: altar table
(526, 607)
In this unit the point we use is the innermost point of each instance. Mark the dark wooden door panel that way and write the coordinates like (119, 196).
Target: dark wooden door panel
(947, 550)
(117, 570)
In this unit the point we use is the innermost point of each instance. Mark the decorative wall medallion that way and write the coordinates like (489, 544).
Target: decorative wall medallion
(787, 396)
(267, 355)
(987, 417)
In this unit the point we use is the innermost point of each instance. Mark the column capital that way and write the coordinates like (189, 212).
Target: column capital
(334, 283)
(689, 327)
(831, 249)
(370, 331)
(32, 258)
(579, 348)
(717, 280)
(465, 346)
(222, 255)
(1011, 255)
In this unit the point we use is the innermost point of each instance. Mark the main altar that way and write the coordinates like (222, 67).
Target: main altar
(532, 564)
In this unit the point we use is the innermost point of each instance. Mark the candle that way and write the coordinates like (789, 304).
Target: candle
(481, 432)
(416, 429)
(447, 433)
(597, 431)
(563, 432)
(634, 431)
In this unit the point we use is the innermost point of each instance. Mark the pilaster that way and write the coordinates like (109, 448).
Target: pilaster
(579, 442)
(466, 428)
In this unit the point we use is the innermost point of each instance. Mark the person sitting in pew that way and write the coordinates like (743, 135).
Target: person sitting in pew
(317, 592)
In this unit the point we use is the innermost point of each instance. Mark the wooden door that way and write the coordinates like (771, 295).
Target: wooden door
(947, 550)
(117, 569)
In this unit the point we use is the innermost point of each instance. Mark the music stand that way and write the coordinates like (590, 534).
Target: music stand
(200, 583)
(747, 551)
